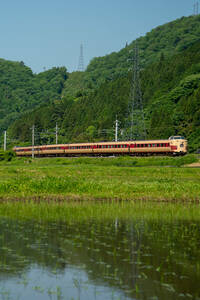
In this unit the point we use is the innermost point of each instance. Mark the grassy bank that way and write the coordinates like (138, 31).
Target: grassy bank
(101, 211)
(123, 178)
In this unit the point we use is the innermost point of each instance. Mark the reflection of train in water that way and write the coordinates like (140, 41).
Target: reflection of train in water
(176, 145)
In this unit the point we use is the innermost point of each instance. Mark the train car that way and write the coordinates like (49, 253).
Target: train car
(175, 145)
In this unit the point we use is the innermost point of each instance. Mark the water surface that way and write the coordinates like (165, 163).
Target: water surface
(119, 259)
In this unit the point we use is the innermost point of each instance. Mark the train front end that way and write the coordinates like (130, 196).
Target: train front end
(178, 145)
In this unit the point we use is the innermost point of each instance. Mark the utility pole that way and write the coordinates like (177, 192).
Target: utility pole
(33, 140)
(116, 129)
(56, 133)
(4, 146)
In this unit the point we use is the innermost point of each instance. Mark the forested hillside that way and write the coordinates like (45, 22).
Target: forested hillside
(21, 90)
(85, 104)
(170, 38)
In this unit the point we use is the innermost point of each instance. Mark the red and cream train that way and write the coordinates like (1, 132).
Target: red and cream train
(175, 145)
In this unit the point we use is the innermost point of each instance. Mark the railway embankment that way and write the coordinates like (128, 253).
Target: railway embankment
(195, 164)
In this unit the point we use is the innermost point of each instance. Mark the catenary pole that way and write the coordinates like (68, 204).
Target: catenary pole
(116, 130)
(33, 140)
(4, 146)
(56, 133)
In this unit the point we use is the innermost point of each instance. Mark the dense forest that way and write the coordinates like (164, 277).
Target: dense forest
(21, 90)
(85, 104)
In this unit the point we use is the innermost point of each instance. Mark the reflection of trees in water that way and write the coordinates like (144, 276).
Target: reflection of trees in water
(130, 255)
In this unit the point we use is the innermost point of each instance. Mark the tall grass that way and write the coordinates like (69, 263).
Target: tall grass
(121, 161)
(82, 211)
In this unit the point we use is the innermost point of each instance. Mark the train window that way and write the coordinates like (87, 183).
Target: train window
(161, 145)
(176, 138)
(153, 145)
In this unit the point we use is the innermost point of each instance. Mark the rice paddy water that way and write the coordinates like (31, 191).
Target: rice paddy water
(99, 251)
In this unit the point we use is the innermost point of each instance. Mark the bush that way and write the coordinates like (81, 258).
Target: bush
(7, 155)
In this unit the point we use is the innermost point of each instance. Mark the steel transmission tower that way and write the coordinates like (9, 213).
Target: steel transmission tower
(196, 8)
(135, 124)
(81, 60)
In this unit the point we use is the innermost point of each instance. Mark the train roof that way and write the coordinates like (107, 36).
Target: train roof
(99, 143)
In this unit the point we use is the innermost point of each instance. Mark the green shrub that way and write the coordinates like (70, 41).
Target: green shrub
(7, 155)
